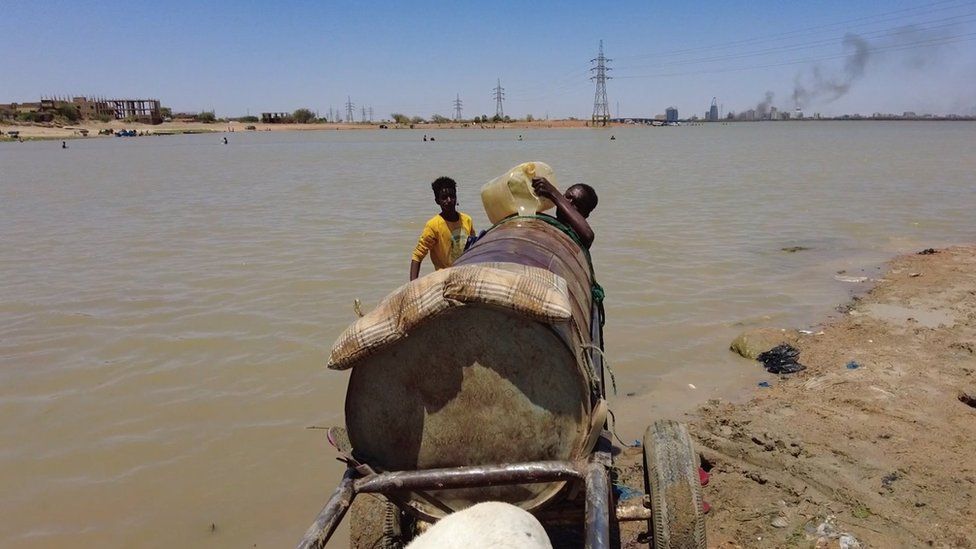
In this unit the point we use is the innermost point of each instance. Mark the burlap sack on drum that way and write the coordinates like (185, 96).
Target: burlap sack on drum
(530, 291)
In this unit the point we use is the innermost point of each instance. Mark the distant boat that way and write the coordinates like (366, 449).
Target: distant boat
(125, 133)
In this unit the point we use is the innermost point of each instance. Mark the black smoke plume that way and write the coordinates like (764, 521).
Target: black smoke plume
(819, 87)
(763, 106)
(911, 46)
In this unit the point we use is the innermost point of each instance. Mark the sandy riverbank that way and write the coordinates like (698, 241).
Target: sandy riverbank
(884, 452)
(51, 131)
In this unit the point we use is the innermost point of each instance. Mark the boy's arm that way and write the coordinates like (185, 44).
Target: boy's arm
(426, 240)
(577, 222)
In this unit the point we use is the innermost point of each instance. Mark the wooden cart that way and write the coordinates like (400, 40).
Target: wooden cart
(486, 403)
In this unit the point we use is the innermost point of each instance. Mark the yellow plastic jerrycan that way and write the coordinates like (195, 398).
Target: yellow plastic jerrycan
(511, 192)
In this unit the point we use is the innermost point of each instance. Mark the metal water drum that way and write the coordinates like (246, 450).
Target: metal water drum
(482, 386)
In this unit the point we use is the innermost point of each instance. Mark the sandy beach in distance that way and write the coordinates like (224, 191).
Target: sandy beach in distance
(53, 131)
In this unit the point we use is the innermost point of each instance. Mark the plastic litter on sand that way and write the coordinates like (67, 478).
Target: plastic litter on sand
(781, 359)
(624, 492)
(851, 279)
(826, 531)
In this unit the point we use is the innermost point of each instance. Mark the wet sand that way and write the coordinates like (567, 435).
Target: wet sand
(883, 452)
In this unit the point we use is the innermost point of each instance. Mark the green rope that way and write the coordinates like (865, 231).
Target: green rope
(596, 290)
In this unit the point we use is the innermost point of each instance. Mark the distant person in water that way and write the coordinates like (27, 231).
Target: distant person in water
(64, 144)
(572, 207)
(225, 141)
(444, 235)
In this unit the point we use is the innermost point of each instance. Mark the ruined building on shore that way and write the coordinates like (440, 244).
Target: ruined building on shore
(147, 111)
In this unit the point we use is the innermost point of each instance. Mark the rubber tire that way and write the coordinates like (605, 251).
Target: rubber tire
(672, 483)
(377, 523)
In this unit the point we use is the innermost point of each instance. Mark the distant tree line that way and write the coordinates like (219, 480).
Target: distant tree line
(401, 118)
(308, 116)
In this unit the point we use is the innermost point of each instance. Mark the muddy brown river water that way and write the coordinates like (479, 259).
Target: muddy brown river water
(167, 304)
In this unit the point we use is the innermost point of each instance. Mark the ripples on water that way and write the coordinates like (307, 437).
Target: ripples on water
(167, 304)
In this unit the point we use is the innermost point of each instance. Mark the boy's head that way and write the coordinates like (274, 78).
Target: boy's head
(445, 193)
(582, 197)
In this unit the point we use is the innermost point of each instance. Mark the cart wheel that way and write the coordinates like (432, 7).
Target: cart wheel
(395, 534)
(377, 523)
(671, 480)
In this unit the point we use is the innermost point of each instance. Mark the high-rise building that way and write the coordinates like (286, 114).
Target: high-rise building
(712, 115)
(671, 114)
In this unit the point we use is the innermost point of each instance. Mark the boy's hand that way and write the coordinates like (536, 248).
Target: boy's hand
(544, 188)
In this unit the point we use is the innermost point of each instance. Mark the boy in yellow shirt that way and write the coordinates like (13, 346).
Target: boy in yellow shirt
(445, 235)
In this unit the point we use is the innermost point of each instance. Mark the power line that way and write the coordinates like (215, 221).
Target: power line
(537, 84)
(894, 31)
(568, 84)
(967, 37)
(601, 111)
(457, 108)
(883, 17)
(499, 94)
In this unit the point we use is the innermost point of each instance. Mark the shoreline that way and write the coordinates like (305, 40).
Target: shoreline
(873, 442)
(50, 131)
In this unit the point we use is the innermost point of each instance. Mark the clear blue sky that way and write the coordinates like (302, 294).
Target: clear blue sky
(413, 57)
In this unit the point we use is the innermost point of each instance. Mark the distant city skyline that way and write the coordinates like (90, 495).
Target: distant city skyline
(422, 58)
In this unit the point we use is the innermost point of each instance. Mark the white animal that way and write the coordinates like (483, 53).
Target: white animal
(492, 524)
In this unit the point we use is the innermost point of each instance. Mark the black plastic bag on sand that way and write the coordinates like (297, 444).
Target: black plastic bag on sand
(781, 359)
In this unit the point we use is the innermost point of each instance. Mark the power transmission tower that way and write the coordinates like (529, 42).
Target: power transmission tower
(349, 107)
(370, 113)
(457, 108)
(601, 110)
(364, 115)
(499, 94)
